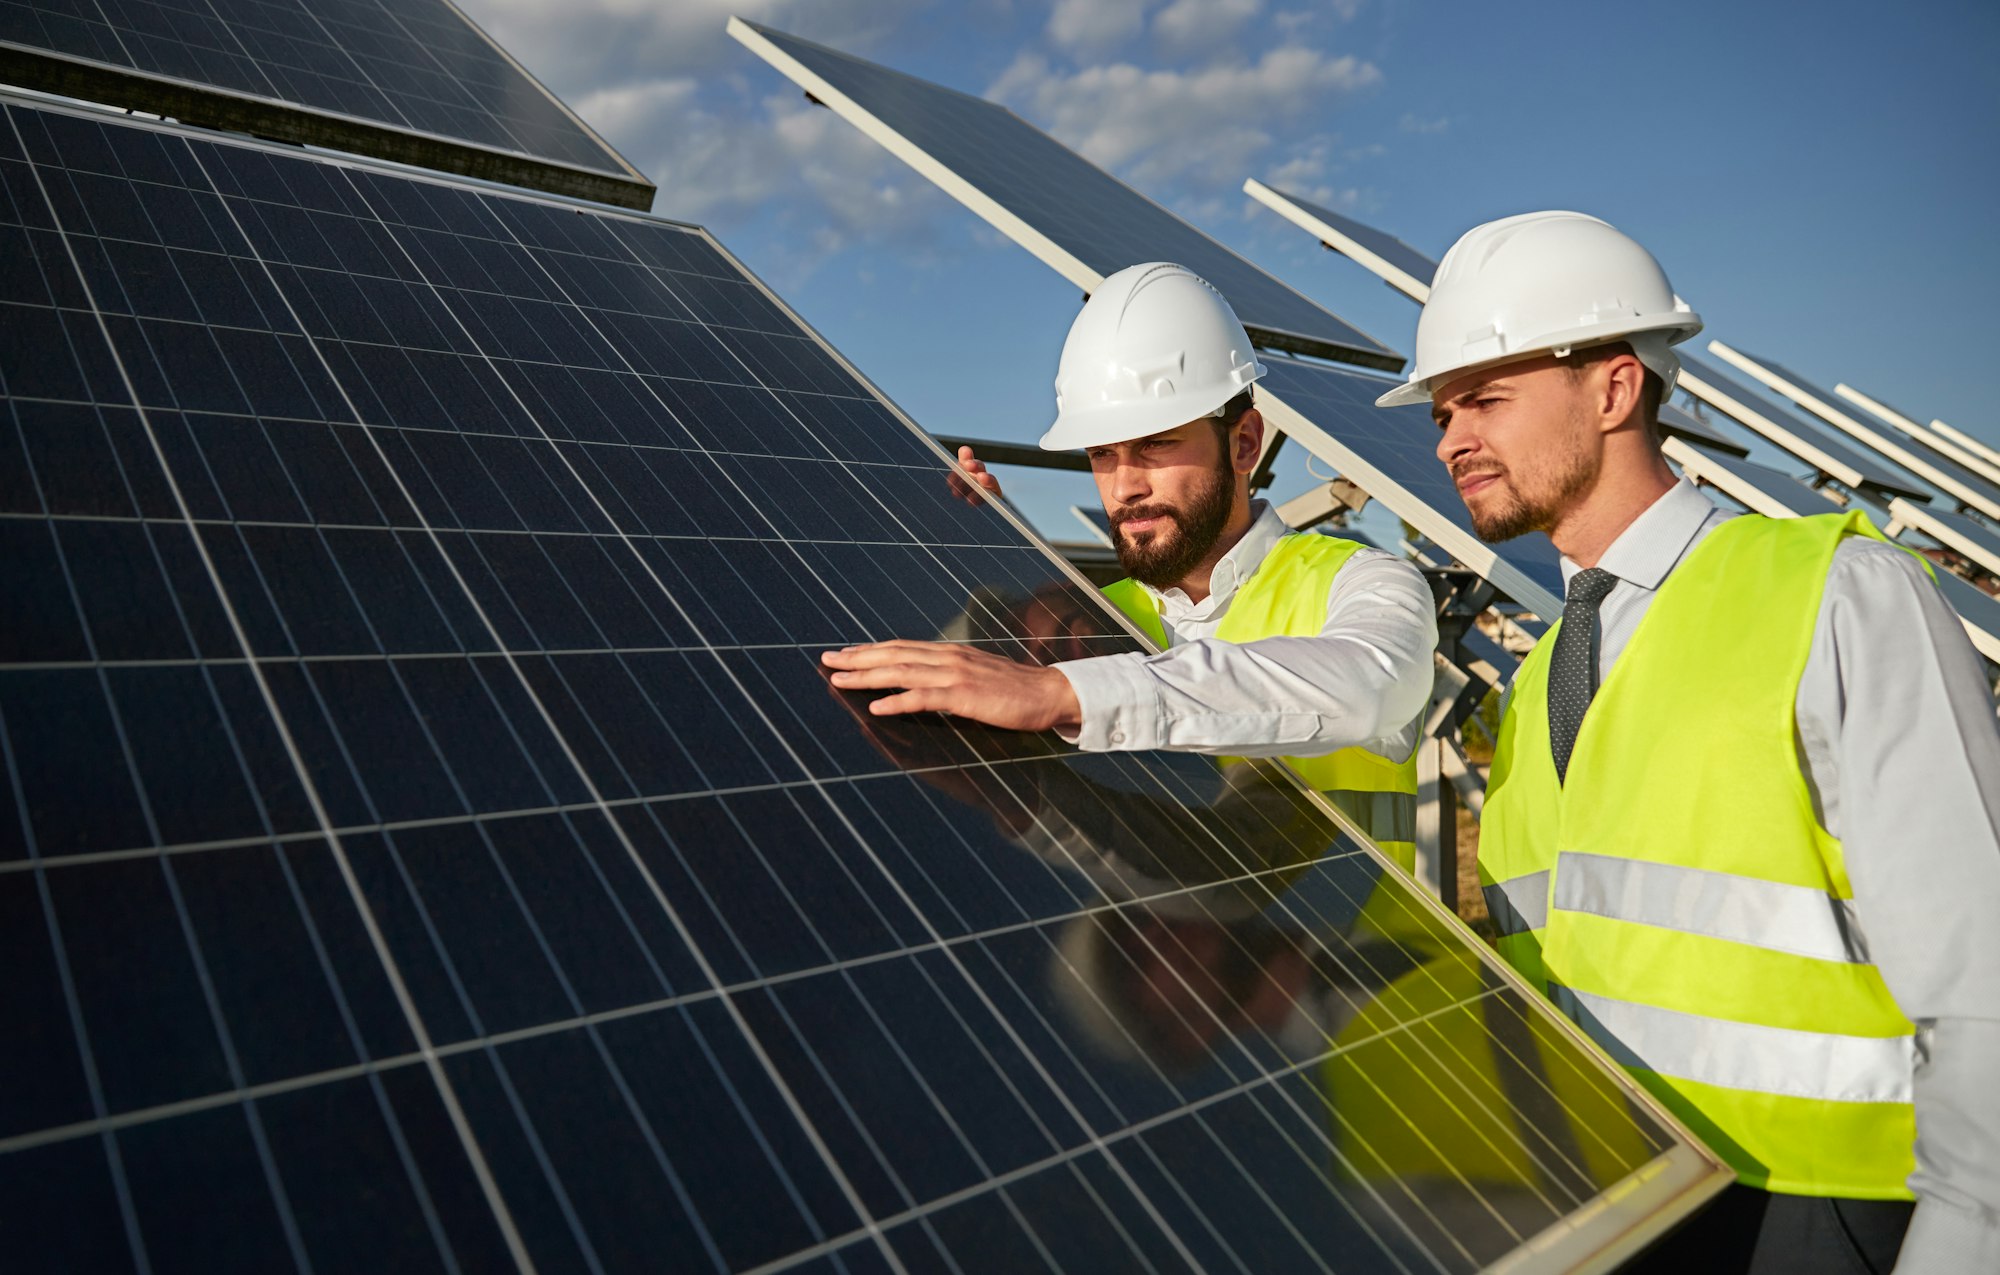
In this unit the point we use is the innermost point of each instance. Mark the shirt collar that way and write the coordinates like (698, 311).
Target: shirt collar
(1238, 565)
(1647, 550)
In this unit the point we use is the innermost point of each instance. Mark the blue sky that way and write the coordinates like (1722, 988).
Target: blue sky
(1821, 181)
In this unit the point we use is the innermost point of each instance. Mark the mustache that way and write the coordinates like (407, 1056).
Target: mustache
(1473, 469)
(1136, 512)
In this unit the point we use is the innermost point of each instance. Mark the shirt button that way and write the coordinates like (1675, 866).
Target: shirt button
(1117, 736)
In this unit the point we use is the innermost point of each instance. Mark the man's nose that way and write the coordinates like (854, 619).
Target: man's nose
(1131, 484)
(1455, 442)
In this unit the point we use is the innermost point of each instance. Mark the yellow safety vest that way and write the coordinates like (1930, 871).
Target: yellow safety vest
(1286, 597)
(1678, 896)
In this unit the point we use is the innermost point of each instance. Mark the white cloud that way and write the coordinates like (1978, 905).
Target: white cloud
(1087, 26)
(1156, 126)
(1412, 123)
(1202, 24)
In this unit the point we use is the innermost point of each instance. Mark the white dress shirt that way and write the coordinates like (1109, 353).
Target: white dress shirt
(1363, 679)
(1898, 743)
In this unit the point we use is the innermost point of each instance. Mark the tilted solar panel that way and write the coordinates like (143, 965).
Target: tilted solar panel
(409, 80)
(1941, 472)
(1961, 533)
(1766, 491)
(1389, 258)
(1871, 409)
(1676, 423)
(1391, 454)
(1812, 443)
(1077, 218)
(430, 841)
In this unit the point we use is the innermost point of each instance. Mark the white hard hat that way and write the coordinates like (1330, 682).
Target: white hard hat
(1153, 348)
(1544, 282)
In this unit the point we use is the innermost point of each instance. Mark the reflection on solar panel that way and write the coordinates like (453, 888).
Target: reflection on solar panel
(431, 841)
(1768, 492)
(1391, 455)
(1077, 218)
(1872, 408)
(409, 80)
(1958, 532)
(1813, 444)
(1940, 472)
(1399, 265)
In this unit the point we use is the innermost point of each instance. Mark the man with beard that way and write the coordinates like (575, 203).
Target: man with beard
(1762, 870)
(1273, 644)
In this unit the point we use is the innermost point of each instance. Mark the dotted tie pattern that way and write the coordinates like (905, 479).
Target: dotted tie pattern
(1573, 667)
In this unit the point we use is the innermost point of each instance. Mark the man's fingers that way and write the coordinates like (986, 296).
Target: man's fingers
(904, 675)
(869, 654)
(921, 700)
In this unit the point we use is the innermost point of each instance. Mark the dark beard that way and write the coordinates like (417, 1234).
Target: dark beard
(1167, 557)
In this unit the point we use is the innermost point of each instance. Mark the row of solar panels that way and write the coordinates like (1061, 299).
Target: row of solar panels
(429, 841)
(1084, 224)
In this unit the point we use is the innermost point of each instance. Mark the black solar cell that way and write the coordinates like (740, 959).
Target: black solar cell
(1390, 249)
(372, 76)
(1062, 197)
(428, 839)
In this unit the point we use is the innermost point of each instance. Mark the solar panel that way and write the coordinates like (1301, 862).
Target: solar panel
(1078, 219)
(1776, 495)
(1395, 262)
(1675, 423)
(1940, 472)
(1391, 454)
(1966, 441)
(409, 80)
(1958, 532)
(1813, 444)
(431, 842)
(1871, 408)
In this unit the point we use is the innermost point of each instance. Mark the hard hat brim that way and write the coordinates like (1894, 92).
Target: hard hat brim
(1683, 325)
(1104, 424)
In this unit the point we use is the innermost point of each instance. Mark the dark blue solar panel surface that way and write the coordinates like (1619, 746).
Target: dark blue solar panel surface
(1386, 246)
(1096, 218)
(1691, 427)
(1967, 528)
(1401, 442)
(411, 64)
(428, 841)
(1877, 471)
(1860, 415)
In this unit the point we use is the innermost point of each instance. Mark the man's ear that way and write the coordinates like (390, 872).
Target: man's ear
(1249, 441)
(1624, 393)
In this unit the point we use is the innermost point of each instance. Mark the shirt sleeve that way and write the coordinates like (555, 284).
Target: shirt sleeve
(1363, 679)
(1897, 725)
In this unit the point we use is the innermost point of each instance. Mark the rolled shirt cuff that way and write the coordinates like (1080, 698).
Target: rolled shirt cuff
(1120, 704)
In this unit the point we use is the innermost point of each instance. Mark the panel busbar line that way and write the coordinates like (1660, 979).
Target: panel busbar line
(1941, 472)
(1766, 491)
(1082, 222)
(429, 841)
(414, 81)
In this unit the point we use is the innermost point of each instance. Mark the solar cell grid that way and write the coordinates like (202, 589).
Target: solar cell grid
(1409, 271)
(1081, 220)
(418, 66)
(428, 837)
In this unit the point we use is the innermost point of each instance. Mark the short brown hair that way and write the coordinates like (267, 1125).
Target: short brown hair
(1232, 412)
(1651, 392)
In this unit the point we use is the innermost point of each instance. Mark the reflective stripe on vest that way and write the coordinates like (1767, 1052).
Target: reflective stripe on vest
(1520, 905)
(1286, 597)
(1699, 922)
(1728, 1055)
(1769, 914)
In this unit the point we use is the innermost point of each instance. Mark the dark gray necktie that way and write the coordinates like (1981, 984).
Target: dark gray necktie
(1573, 667)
